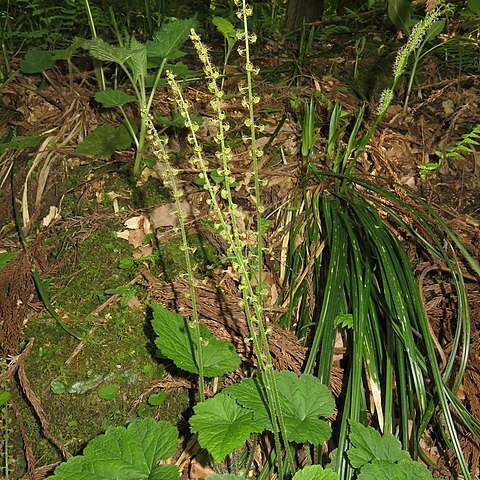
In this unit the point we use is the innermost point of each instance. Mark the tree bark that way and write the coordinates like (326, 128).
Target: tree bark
(299, 11)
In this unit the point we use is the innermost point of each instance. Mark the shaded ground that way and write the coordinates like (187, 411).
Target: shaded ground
(101, 282)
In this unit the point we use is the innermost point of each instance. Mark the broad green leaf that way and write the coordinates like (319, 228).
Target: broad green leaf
(435, 30)
(124, 453)
(164, 472)
(113, 98)
(400, 13)
(249, 394)
(181, 70)
(104, 141)
(303, 400)
(176, 340)
(222, 425)
(368, 445)
(405, 470)
(166, 42)
(101, 50)
(4, 396)
(315, 472)
(138, 61)
(177, 121)
(225, 28)
(225, 476)
(5, 257)
(37, 61)
(21, 142)
(108, 392)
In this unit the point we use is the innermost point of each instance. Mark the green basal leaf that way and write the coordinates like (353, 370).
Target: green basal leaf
(225, 476)
(303, 400)
(176, 341)
(405, 470)
(166, 43)
(5, 257)
(113, 98)
(21, 142)
(164, 472)
(101, 50)
(368, 445)
(249, 394)
(125, 453)
(222, 425)
(37, 61)
(104, 141)
(315, 472)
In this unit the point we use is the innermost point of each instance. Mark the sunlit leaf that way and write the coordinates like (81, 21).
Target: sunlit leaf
(138, 60)
(368, 445)
(315, 472)
(125, 453)
(303, 400)
(166, 42)
(176, 340)
(405, 470)
(101, 50)
(225, 27)
(222, 425)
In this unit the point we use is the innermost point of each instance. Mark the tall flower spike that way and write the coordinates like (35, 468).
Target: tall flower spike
(414, 41)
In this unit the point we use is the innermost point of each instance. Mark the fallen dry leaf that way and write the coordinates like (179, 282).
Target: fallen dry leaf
(166, 215)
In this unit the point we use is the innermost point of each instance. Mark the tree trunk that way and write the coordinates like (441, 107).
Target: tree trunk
(300, 11)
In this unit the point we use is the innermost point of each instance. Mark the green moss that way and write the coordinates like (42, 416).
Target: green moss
(80, 285)
(150, 194)
(129, 194)
(118, 352)
(171, 261)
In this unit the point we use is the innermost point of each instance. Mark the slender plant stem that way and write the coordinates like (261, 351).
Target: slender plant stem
(97, 63)
(145, 106)
(170, 174)
(129, 126)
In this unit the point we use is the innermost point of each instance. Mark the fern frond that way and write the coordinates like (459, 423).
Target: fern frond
(465, 145)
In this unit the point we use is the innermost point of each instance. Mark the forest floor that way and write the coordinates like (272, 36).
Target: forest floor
(105, 245)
